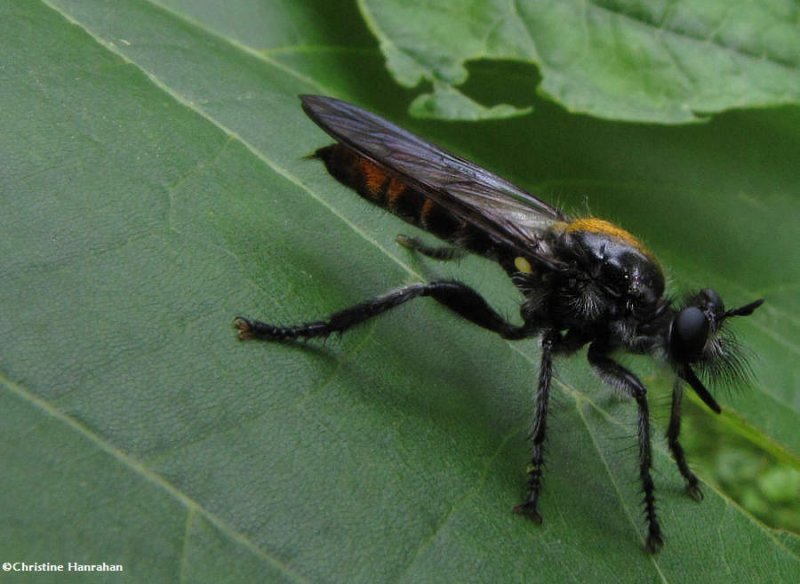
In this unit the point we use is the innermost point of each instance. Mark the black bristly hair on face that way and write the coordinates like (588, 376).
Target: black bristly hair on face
(725, 361)
(701, 339)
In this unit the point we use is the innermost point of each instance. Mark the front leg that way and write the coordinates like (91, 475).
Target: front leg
(618, 376)
(673, 431)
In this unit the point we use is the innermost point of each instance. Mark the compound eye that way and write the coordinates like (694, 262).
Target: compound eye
(689, 333)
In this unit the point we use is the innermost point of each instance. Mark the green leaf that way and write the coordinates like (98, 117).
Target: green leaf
(636, 60)
(154, 185)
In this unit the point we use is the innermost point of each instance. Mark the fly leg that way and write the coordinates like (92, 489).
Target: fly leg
(529, 507)
(456, 296)
(618, 376)
(443, 253)
(673, 431)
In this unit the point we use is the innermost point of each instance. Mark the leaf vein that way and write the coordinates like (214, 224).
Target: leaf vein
(793, 67)
(144, 472)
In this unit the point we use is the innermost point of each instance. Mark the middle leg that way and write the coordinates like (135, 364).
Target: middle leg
(443, 253)
(618, 376)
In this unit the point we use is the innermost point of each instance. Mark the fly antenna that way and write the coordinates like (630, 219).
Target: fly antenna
(745, 310)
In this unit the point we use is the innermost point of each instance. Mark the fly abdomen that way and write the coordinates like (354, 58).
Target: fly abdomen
(355, 171)
(375, 183)
(439, 221)
(379, 186)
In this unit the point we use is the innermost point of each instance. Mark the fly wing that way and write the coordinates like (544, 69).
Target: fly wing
(509, 214)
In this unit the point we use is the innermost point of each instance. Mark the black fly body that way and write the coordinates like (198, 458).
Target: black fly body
(583, 281)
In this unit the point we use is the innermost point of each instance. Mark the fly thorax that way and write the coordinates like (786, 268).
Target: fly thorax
(611, 274)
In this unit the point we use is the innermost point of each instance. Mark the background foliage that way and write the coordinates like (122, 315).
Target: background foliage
(641, 60)
(154, 185)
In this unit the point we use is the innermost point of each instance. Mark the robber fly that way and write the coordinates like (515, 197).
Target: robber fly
(584, 281)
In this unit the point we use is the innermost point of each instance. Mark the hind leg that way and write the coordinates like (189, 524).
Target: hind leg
(456, 296)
